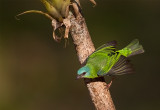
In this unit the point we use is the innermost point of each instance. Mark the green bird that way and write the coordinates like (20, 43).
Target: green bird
(107, 61)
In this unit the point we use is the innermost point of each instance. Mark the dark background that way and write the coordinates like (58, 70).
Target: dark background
(37, 73)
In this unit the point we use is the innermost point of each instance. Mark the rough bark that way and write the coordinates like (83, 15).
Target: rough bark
(98, 90)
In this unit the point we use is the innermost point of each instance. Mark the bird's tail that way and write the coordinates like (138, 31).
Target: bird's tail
(133, 48)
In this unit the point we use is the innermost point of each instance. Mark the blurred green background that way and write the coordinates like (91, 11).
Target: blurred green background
(37, 73)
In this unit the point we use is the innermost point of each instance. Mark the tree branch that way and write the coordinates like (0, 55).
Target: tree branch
(97, 87)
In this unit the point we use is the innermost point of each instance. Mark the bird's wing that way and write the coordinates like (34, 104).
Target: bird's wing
(108, 46)
(107, 64)
(122, 66)
(105, 48)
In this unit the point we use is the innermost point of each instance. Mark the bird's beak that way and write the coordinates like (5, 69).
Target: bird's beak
(81, 76)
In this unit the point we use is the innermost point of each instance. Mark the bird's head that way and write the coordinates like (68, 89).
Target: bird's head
(83, 72)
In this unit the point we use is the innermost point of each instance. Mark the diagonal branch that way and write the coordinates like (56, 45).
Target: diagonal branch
(99, 93)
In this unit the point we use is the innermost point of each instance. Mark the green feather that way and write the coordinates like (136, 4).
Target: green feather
(132, 49)
(106, 61)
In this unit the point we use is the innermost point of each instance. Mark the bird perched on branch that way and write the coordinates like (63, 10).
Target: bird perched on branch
(107, 61)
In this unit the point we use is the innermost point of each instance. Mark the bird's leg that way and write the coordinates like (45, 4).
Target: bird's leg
(55, 26)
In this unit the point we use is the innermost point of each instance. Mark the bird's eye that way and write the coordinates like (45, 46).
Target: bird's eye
(83, 73)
